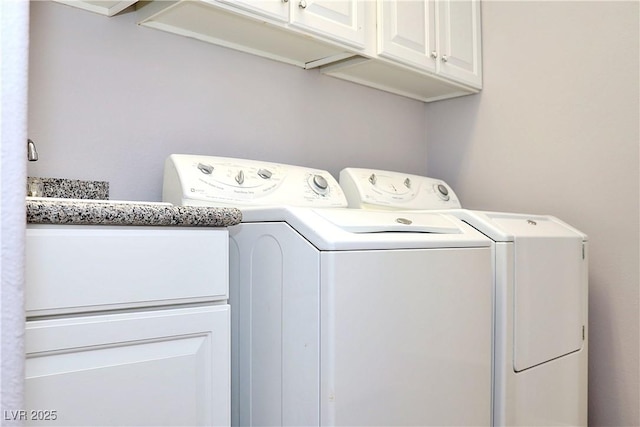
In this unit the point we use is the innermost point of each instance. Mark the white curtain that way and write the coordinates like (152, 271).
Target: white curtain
(14, 44)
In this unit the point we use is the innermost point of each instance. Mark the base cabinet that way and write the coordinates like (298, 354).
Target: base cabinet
(127, 325)
(152, 368)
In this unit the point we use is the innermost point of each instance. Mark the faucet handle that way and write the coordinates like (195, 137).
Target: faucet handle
(32, 153)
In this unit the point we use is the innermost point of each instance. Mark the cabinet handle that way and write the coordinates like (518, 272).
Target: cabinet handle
(444, 58)
(434, 54)
(302, 4)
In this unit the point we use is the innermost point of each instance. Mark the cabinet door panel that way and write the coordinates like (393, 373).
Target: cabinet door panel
(338, 20)
(407, 32)
(459, 40)
(148, 368)
(274, 9)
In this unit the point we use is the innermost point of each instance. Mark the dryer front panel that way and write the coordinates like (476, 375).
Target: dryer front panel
(548, 295)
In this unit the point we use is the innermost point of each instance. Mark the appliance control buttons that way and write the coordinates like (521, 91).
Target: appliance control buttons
(373, 178)
(265, 173)
(205, 169)
(407, 183)
(443, 192)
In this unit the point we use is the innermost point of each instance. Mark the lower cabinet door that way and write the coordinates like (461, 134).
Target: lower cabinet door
(145, 368)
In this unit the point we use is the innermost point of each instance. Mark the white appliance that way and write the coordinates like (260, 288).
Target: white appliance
(541, 291)
(345, 317)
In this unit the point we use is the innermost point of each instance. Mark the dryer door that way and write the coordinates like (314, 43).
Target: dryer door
(548, 290)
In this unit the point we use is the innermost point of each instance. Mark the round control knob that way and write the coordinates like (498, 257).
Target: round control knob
(319, 184)
(443, 192)
(373, 179)
(407, 183)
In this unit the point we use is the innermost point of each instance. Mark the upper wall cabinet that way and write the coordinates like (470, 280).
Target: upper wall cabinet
(423, 49)
(427, 50)
(306, 33)
(103, 7)
(441, 37)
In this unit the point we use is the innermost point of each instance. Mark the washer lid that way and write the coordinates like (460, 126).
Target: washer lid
(505, 226)
(328, 230)
(359, 221)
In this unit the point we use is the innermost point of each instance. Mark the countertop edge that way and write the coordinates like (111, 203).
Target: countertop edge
(79, 213)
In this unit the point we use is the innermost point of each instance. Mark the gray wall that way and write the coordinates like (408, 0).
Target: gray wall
(556, 130)
(109, 100)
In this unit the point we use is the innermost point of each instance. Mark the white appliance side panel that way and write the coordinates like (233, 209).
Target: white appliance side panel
(549, 289)
(406, 337)
(274, 295)
(504, 385)
(554, 393)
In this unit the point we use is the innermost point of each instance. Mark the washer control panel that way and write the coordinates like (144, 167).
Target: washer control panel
(225, 181)
(378, 189)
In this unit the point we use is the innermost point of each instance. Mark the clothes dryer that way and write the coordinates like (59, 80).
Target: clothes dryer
(540, 285)
(340, 316)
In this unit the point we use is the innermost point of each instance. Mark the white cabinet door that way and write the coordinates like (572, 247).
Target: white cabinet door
(153, 368)
(441, 36)
(459, 40)
(407, 32)
(342, 21)
(274, 9)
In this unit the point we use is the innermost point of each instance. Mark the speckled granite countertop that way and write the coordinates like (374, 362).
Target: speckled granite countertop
(105, 212)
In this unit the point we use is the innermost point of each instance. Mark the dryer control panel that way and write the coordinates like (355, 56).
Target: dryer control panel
(224, 181)
(379, 189)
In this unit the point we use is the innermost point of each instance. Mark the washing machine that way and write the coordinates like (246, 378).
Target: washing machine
(340, 316)
(541, 290)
